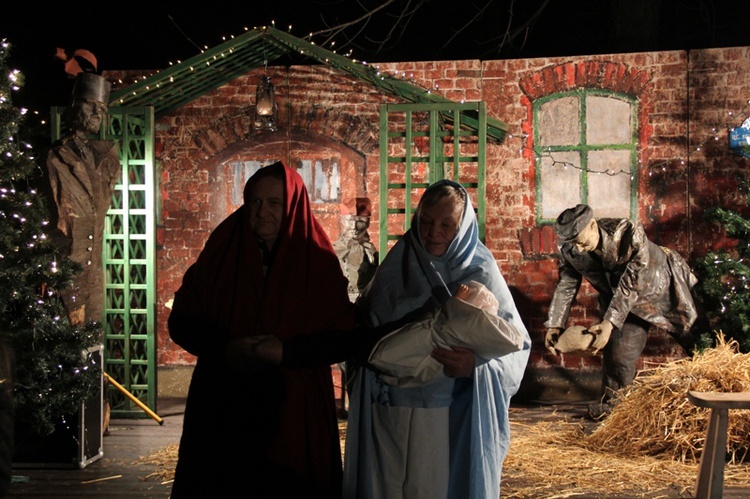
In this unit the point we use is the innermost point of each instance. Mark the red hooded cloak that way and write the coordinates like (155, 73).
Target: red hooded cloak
(274, 432)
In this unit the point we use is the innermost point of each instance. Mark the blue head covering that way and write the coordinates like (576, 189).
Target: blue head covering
(409, 275)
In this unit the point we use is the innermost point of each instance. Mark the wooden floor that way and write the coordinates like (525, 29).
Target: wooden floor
(115, 474)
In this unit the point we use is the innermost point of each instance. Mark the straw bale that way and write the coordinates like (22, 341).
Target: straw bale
(654, 417)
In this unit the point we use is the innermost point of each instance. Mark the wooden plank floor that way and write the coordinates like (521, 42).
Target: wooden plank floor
(127, 441)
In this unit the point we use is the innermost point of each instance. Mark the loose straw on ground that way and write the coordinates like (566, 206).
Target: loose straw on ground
(546, 460)
(165, 460)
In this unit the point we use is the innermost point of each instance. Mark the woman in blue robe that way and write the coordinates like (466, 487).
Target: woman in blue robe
(447, 438)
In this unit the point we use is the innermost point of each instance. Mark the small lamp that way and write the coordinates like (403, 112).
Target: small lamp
(265, 105)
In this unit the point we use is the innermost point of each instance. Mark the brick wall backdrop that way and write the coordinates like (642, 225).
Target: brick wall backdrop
(686, 103)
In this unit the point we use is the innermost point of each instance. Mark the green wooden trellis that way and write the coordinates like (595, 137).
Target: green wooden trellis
(421, 144)
(129, 260)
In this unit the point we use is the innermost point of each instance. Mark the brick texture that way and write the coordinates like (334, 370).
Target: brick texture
(686, 104)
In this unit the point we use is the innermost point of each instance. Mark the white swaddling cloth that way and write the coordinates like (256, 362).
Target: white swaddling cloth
(403, 356)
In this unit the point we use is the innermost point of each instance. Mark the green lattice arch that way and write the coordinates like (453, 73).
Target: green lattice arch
(421, 144)
(129, 264)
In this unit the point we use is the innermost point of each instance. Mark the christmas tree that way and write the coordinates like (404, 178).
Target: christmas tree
(724, 277)
(53, 375)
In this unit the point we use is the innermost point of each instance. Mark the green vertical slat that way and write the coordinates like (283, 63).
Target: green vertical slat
(584, 176)
(125, 141)
(383, 215)
(482, 170)
(408, 171)
(456, 144)
(55, 122)
(150, 198)
(434, 174)
(635, 171)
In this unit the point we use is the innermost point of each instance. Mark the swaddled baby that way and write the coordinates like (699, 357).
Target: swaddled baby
(468, 319)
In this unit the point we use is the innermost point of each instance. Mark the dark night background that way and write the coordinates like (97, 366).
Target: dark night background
(150, 35)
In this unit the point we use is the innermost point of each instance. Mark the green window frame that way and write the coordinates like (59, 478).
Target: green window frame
(585, 148)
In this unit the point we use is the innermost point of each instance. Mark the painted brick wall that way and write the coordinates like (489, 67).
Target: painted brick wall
(686, 103)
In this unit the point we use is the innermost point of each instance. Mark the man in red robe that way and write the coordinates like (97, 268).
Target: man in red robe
(254, 430)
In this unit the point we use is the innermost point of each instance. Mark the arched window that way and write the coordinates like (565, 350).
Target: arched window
(322, 177)
(585, 147)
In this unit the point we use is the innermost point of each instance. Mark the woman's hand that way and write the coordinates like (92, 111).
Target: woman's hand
(458, 362)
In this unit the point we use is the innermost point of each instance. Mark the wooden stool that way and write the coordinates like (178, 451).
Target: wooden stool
(711, 472)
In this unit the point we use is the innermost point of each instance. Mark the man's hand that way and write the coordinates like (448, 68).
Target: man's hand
(458, 362)
(250, 353)
(239, 351)
(553, 334)
(601, 333)
(269, 349)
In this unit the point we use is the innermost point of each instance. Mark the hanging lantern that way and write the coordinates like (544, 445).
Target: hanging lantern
(265, 105)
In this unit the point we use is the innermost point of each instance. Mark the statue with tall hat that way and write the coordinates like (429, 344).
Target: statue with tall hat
(83, 172)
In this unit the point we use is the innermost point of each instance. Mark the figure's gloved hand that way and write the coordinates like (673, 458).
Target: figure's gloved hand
(553, 334)
(602, 332)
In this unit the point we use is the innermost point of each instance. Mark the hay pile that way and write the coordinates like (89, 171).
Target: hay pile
(650, 444)
(653, 417)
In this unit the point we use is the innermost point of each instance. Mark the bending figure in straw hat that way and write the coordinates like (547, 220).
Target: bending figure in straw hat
(640, 284)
